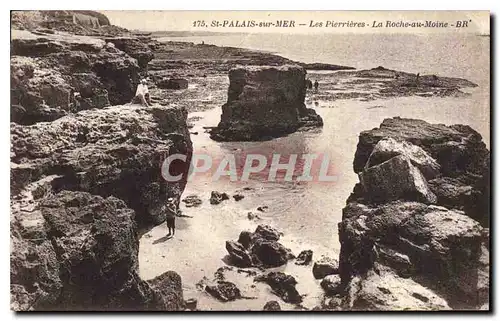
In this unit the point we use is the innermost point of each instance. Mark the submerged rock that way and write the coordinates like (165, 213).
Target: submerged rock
(264, 102)
(283, 285)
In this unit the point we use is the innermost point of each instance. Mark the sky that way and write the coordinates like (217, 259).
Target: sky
(190, 20)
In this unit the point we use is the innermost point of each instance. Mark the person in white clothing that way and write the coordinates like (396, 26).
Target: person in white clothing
(142, 94)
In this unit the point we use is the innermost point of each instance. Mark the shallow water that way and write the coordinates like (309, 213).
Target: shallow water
(306, 212)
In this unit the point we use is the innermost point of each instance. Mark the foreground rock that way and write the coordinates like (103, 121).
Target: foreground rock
(388, 292)
(283, 285)
(272, 306)
(260, 249)
(325, 266)
(398, 251)
(331, 284)
(82, 186)
(169, 285)
(265, 102)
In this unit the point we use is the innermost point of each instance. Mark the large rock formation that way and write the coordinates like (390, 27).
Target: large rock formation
(46, 71)
(265, 102)
(399, 251)
(82, 186)
(260, 248)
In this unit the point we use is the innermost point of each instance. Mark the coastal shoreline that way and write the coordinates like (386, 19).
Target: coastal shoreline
(70, 158)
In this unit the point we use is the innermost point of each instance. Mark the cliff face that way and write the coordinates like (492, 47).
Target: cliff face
(264, 102)
(81, 188)
(46, 71)
(79, 22)
(413, 231)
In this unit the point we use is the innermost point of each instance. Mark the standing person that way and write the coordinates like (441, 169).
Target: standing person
(171, 213)
(309, 84)
(316, 85)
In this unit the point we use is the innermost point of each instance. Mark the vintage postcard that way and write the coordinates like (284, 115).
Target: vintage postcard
(250, 160)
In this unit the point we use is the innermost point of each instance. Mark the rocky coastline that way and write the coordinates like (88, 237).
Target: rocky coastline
(86, 181)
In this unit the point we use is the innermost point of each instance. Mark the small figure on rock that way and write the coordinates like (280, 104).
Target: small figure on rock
(142, 94)
(316, 85)
(171, 213)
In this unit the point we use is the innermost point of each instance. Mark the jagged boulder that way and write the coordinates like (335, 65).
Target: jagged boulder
(169, 286)
(395, 179)
(260, 248)
(388, 148)
(390, 233)
(283, 285)
(325, 266)
(239, 255)
(264, 102)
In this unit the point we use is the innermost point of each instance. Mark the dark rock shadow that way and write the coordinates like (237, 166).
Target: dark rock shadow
(162, 239)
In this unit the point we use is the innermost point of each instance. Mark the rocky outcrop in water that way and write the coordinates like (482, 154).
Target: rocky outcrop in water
(47, 70)
(82, 186)
(417, 246)
(265, 102)
(260, 248)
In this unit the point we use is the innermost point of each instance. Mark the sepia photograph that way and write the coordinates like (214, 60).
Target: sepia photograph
(250, 161)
